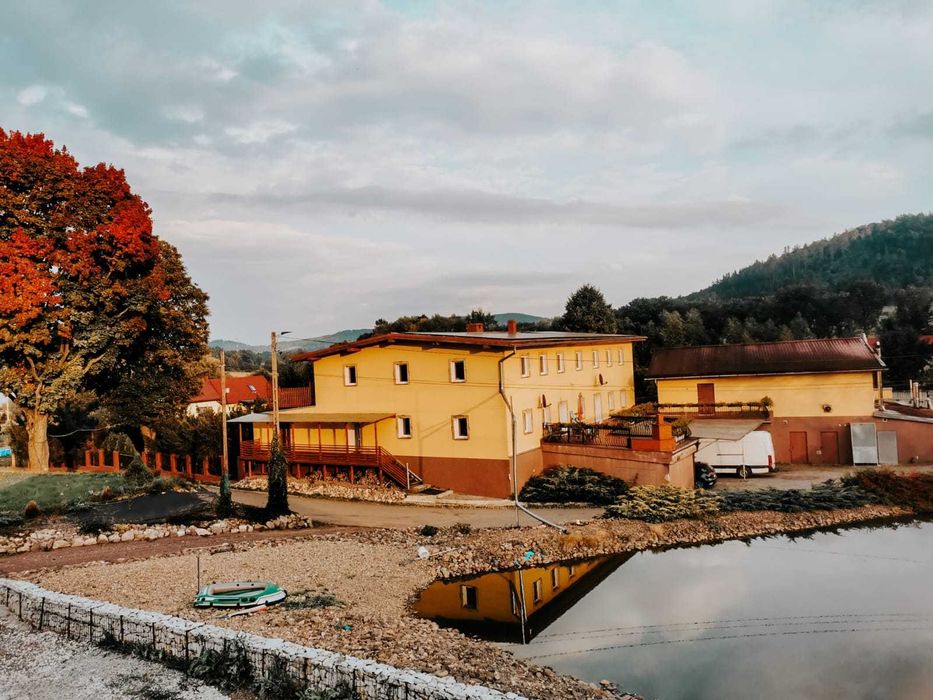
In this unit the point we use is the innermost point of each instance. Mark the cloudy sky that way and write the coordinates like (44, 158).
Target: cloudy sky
(324, 165)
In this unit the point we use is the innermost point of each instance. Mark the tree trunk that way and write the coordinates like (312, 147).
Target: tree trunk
(37, 426)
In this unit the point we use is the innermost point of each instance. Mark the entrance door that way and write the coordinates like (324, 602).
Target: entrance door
(829, 447)
(706, 398)
(798, 448)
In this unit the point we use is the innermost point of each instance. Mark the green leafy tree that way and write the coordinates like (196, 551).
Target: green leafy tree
(277, 503)
(588, 312)
(695, 328)
(224, 505)
(735, 332)
(673, 329)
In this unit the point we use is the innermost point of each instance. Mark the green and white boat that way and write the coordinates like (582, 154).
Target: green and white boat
(239, 594)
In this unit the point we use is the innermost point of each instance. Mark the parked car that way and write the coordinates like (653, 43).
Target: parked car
(749, 455)
(704, 476)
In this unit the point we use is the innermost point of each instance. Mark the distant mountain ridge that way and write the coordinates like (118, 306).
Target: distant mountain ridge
(344, 336)
(895, 254)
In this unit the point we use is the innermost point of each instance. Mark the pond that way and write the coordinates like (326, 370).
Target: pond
(846, 614)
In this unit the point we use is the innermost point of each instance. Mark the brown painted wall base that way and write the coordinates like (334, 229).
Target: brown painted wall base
(914, 440)
(635, 466)
(479, 477)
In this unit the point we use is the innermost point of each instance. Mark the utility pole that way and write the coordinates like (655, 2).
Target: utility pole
(275, 386)
(223, 412)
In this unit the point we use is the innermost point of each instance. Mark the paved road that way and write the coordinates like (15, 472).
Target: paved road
(364, 514)
(799, 477)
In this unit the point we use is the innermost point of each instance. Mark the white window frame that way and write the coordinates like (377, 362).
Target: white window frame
(608, 358)
(542, 365)
(347, 370)
(623, 398)
(526, 365)
(528, 421)
(572, 570)
(465, 597)
(598, 408)
(578, 355)
(621, 356)
(398, 373)
(455, 427)
(560, 363)
(453, 371)
(612, 402)
(400, 427)
(555, 578)
(595, 359)
(546, 415)
(563, 412)
(537, 590)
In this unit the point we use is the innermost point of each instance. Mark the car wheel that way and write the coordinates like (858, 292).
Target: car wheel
(743, 472)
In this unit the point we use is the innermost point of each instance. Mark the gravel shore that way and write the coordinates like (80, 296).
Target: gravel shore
(45, 666)
(376, 573)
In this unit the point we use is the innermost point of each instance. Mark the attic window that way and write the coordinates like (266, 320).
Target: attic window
(349, 375)
(401, 373)
(251, 388)
(457, 371)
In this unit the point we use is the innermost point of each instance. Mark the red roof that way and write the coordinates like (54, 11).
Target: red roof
(239, 389)
(783, 357)
(500, 340)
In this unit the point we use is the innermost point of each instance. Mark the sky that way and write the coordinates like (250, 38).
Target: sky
(322, 165)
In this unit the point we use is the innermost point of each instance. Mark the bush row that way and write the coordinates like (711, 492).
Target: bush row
(573, 485)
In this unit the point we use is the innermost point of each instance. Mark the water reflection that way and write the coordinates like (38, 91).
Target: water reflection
(845, 614)
(517, 605)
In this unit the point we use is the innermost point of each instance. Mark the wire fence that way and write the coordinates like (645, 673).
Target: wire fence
(179, 643)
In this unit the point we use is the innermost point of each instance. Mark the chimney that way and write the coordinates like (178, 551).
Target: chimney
(475, 328)
(513, 327)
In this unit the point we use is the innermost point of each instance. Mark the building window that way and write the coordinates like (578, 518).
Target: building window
(528, 420)
(526, 366)
(461, 428)
(595, 359)
(547, 415)
(579, 358)
(403, 424)
(401, 373)
(563, 412)
(349, 375)
(542, 364)
(537, 589)
(612, 401)
(608, 358)
(598, 408)
(468, 597)
(457, 371)
(555, 578)
(560, 363)
(623, 398)
(572, 570)
(621, 356)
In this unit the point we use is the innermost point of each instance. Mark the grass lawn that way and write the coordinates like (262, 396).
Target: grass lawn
(52, 491)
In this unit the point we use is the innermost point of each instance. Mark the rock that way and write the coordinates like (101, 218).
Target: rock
(201, 532)
(151, 535)
(180, 533)
(218, 527)
(59, 544)
(115, 537)
(128, 536)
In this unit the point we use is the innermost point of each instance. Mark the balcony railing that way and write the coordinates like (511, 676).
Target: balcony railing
(731, 409)
(614, 433)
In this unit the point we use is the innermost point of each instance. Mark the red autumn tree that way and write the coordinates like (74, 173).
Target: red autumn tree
(80, 275)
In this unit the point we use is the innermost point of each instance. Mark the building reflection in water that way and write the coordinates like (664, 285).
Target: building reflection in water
(515, 605)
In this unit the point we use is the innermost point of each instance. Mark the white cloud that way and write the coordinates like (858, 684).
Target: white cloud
(259, 131)
(76, 110)
(32, 95)
(185, 113)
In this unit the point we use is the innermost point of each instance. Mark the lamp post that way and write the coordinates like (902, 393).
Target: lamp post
(223, 413)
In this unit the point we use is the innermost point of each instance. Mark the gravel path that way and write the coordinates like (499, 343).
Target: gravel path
(45, 666)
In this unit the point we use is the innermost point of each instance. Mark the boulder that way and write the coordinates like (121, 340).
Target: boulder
(59, 544)
(128, 536)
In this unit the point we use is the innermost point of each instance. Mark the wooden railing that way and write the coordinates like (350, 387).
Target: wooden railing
(732, 409)
(335, 455)
(100, 461)
(614, 433)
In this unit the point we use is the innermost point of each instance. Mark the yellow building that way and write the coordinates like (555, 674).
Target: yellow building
(438, 407)
(816, 389)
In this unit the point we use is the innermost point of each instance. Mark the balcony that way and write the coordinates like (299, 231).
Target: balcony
(730, 409)
(634, 432)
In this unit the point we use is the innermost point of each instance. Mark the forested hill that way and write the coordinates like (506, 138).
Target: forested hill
(896, 254)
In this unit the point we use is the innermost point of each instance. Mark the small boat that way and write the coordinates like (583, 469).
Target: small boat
(239, 594)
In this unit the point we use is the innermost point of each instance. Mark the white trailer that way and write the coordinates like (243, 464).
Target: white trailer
(734, 446)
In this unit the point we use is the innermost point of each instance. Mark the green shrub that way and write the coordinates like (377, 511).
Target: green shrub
(223, 507)
(829, 495)
(658, 504)
(277, 504)
(137, 475)
(909, 490)
(428, 531)
(229, 670)
(573, 485)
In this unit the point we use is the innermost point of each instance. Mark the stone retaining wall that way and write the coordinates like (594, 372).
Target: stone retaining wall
(182, 640)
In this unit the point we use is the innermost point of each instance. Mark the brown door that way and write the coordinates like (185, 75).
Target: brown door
(829, 447)
(706, 398)
(798, 448)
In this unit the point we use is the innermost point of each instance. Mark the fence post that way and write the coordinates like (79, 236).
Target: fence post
(101, 461)
(173, 463)
(188, 470)
(116, 460)
(87, 458)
